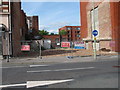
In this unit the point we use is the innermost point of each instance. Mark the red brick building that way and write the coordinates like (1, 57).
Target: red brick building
(73, 32)
(33, 25)
(55, 39)
(106, 16)
(13, 27)
(24, 26)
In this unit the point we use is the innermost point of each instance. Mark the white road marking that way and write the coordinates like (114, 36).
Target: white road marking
(60, 70)
(14, 67)
(12, 85)
(113, 56)
(38, 65)
(31, 84)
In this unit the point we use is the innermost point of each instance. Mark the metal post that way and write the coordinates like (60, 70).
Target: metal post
(40, 49)
(95, 56)
(7, 39)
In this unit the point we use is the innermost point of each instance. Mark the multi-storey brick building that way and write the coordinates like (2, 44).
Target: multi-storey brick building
(33, 26)
(13, 27)
(73, 32)
(104, 17)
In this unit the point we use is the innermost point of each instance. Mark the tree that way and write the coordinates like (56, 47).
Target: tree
(52, 34)
(62, 32)
(43, 32)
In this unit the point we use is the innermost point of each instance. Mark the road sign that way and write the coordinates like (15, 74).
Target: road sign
(25, 48)
(79, 45)
(65, 44)
(95, 32)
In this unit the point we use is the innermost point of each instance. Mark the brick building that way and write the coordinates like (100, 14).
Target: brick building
(33, 26)
(104, 17)
(4, 27)
(24, 25)
(13, 27)
(73, 32)
(55, 39)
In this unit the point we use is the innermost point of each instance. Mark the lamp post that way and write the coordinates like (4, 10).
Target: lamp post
(1, 44)
(95, 55)
(40, 49)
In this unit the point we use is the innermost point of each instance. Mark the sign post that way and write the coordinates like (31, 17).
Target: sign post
(40, 52)
(95, 33)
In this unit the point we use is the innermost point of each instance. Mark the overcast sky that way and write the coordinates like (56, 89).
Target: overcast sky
(54, 15)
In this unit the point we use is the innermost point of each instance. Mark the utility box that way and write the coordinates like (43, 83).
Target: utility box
(47, 44)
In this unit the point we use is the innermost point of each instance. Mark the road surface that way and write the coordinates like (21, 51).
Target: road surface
(97, 74)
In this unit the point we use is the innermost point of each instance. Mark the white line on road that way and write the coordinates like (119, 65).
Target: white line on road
(12, 85)
(14, 67)
(38, 65)
(60, 70)
(31, 84)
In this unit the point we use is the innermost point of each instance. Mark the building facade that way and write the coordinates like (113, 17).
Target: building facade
(5, 10)
(55, 40)
(104, 17)
(13, 28)
(33, 25)
(73, 32)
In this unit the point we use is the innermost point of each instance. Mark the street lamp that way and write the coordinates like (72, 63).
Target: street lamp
(95, 55)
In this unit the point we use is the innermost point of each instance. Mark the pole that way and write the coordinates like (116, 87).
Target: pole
(7, 39)
(40, 49)
(95, 56)
(9, 36)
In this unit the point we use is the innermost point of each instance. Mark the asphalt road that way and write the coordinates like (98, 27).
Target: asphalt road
(97, 74)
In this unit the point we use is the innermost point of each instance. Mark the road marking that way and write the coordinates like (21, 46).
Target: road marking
(113, 56)
(14, 67)
(12, 85)
(38, 65)
(60, 70)
(31, 84)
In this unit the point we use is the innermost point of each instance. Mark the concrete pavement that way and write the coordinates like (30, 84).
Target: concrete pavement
(54, 60)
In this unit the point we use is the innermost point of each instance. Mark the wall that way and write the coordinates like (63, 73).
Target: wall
(53, 39)
(115, 19)
(83, 14)
(108, 18)
(24, 26)
(16, 38)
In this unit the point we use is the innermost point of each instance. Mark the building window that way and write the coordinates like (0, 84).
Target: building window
(57, 40)
(64, 39)
(68, 32)
(78, 28)
(69, 28)
(78, 35)
(78, 31)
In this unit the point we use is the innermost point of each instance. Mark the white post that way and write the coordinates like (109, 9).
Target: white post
(40, 49)
(95, 56)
